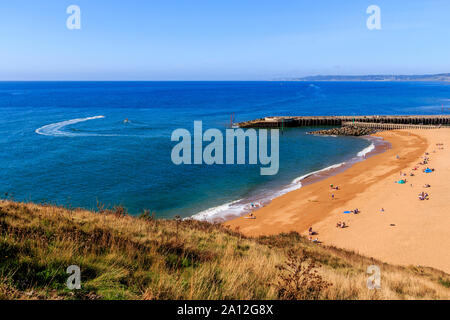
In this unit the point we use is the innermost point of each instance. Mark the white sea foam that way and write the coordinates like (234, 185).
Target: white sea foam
(289, 188)
(334, 166)
(217, 213)
(54, 129)
(365, 151)
(240, 207)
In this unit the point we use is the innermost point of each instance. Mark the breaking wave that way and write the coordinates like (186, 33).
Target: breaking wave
(365, 151)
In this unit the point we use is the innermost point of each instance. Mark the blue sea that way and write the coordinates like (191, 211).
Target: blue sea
(67, 143)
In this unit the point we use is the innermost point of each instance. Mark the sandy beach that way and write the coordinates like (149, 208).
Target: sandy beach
(393, 225)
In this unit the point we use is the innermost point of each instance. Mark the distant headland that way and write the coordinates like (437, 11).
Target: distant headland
(383, 77)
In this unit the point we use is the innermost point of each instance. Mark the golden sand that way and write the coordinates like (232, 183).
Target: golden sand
(408, 232)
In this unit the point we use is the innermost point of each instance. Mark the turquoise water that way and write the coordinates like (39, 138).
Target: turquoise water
(47, 156)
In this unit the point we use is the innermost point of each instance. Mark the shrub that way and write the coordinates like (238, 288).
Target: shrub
(299, 279)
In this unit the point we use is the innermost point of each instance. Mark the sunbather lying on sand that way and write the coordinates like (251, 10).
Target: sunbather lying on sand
(423, 196)
(250, 216)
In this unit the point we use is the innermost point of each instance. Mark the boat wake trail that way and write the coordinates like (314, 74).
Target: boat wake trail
(55, 129)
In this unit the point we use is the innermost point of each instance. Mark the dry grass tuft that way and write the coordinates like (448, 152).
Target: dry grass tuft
(299, 278)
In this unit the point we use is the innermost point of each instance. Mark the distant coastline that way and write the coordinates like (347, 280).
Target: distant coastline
(423, 77)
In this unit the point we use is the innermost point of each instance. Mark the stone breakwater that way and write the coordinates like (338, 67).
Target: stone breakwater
(351, 125)
(345, 131)
(384, 122)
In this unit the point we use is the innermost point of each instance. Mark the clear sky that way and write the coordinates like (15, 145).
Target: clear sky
(220, 39)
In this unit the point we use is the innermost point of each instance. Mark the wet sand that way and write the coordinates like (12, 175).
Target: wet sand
(409, 231)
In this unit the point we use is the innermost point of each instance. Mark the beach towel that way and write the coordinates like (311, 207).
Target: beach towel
(428, 170)
(347, 211)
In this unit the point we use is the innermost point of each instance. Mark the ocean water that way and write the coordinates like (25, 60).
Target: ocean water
(67, 143)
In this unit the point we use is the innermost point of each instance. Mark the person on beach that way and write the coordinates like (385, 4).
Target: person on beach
(251, 216)
(423, 196)
(341, 225)
(382, 210)
(332, 196)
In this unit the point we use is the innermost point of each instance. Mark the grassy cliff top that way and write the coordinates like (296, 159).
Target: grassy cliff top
(124, 257)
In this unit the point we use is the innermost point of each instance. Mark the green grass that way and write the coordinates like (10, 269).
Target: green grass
(124, 257)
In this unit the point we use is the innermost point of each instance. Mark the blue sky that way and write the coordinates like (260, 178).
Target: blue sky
(220, 39)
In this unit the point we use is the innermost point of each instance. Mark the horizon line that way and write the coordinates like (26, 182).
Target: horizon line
(274, 79)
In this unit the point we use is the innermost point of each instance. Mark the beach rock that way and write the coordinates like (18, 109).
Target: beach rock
(345, 131)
